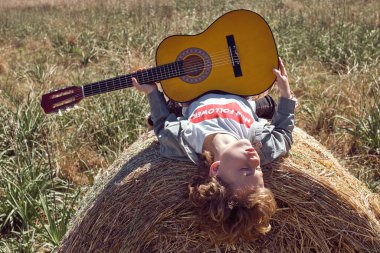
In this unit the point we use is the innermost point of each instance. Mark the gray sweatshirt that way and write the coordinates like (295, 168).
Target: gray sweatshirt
(270, 140)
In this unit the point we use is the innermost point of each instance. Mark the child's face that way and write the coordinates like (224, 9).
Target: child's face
(240, 166)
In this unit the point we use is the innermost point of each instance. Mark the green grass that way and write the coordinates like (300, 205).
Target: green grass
(366, 128)
(330, 49)
(31, 191)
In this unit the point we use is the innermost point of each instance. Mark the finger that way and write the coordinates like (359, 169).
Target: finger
(282, 68)
(135, 83)
(277, 73)
(138, 70)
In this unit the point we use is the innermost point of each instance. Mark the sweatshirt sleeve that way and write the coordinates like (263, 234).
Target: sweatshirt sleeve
(159, 110)
(274, 140)
(167, 128)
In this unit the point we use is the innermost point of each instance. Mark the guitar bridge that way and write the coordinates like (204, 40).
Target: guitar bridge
(235, 61)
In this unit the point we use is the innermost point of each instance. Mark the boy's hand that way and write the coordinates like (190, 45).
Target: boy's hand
(146, 88)
(282, 81)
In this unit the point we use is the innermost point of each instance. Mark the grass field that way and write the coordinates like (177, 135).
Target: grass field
(330, 48)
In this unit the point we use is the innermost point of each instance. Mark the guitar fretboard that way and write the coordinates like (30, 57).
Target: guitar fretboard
(147, 76)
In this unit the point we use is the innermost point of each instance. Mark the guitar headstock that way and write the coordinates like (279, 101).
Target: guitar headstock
(61, 99)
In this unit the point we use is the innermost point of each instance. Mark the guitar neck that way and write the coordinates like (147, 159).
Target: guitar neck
(146, 76)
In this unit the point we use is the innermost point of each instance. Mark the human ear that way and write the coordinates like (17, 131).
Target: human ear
(214, 168)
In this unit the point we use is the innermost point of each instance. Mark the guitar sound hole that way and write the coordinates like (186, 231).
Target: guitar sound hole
(193, 65)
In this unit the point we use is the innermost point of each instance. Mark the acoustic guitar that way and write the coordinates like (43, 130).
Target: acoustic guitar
(235, 54)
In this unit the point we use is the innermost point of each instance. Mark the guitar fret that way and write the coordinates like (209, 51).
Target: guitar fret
(145, 79)
(85, 90)
(103, 85)
(140, 77)
(160, 69)
(98, 87)
(91, 89)
(152, 76)
(178, 68)
(178, 73)
(128, 80)
(167, 71)
(120, 80)
(170, 69)
(174, 70)
(155, 74)
(148, 78)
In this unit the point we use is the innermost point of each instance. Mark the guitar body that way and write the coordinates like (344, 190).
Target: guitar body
(235, 54)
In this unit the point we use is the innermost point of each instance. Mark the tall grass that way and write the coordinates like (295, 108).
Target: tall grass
(330, 49)
(31, 191)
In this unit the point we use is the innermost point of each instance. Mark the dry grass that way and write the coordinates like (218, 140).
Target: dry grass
(3, 67)
(330, 49)
(141, 205)
(17, 4)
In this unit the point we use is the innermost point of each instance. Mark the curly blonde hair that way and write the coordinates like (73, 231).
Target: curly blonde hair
(228, 215)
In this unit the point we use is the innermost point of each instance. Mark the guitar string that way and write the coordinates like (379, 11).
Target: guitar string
(144, 80)
(216, 62)
(105, 88)
(216, 54)
(170, 71)
(218, 57)
(69, 102)
(177, 72)
(119, 85)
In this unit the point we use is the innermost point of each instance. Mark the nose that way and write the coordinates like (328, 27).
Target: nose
(254, 158)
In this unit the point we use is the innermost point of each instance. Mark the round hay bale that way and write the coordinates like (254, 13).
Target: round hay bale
(141, 205)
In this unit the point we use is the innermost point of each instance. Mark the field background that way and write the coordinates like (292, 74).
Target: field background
(330, 49)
